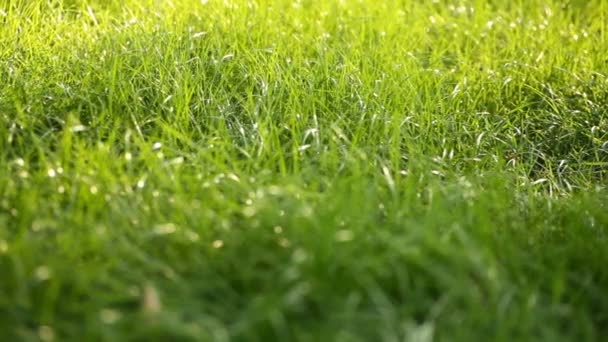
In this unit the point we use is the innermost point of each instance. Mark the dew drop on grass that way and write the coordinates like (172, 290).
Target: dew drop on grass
(20, 162)
(175, 161)
(192, 236)
(165, 229)
(78, 128)
(46, 333)
(217, 244)
(51, 173)
(305, 211)
(42, 273)
(344, 235)
(249, 211)
(37, 226)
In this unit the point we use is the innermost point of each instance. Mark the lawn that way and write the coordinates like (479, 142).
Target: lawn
(274, 170)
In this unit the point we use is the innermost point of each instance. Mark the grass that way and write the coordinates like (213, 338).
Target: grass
(303, 170)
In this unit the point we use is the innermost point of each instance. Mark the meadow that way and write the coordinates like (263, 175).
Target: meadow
(274, 170)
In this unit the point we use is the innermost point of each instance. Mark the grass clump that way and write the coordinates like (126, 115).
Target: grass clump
(303, 170)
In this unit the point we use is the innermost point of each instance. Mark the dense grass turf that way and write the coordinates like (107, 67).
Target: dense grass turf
(303, 170)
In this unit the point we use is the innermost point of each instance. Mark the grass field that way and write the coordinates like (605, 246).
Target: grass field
(279, 170)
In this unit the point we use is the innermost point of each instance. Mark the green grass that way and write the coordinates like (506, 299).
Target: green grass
(303, 170)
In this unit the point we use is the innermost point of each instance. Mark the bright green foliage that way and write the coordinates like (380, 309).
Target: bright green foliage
(305, 170)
